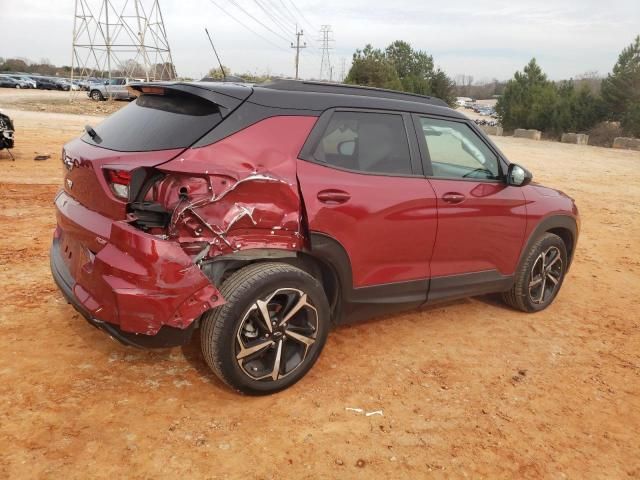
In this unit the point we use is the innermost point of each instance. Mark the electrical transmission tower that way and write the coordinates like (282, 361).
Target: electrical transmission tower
(326, 70)
(120, 37)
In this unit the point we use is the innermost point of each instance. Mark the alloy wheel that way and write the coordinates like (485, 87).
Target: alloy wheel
(276, 335)
(546, 274)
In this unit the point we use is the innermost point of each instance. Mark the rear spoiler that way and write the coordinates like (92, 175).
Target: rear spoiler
(227, 96)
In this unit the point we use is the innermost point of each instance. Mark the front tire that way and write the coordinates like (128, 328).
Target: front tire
(270, 331)
(539, 278)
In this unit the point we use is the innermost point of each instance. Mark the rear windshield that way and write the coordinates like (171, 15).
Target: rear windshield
(157, 122)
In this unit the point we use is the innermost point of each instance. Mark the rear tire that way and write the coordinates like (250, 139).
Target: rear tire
(270, 331)
(96, 95)
(539, 278)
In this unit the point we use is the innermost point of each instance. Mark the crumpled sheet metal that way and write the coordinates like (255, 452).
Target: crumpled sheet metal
(241, 192)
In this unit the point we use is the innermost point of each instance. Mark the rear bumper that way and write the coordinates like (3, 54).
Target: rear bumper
(140, 289)
(165, 338)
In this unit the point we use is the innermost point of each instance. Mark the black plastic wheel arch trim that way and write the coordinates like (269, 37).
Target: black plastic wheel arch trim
(565, 222)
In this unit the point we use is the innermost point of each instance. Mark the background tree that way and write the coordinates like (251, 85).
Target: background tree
(526, 99)
(530, 100)
(414, 67)
(14, 65)
(216, 73)
(621, 89)
(400, 67)
(370, 67)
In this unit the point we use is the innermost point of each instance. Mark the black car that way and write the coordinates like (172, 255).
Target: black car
(46, 83)
(8, 82)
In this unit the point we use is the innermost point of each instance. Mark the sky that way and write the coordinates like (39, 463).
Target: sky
(486, 39)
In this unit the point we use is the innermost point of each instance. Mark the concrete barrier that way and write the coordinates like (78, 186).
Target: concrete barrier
(577, 138)
(530, 134)
(626, 143)
(490, 130)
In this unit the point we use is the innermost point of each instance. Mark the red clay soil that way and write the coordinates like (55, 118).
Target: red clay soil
(468, 389)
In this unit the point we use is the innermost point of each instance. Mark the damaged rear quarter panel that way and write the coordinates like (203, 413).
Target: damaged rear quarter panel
(240, 192)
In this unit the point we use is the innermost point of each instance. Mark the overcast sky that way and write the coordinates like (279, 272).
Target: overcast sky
(487, 39)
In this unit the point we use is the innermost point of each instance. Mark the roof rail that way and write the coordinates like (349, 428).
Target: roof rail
(345, 89)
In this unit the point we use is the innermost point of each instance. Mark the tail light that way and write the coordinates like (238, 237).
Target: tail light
(118, 181)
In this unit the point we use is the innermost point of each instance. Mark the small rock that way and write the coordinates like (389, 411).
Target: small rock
(339, 462)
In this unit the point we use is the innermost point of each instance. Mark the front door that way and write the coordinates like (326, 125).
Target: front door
(363, 186)
(481, 220)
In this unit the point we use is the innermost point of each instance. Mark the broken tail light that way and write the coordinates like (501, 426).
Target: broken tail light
(118, 181)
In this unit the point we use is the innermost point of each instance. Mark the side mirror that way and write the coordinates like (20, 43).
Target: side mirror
(347, 147)
(518, 176)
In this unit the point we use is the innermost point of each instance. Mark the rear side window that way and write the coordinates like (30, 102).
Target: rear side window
(366, 142)
(157, 122)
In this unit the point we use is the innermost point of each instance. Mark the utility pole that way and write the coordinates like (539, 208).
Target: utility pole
(297, 46)
(343, 70)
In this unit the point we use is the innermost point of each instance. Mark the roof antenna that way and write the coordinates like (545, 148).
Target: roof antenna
(224, 75)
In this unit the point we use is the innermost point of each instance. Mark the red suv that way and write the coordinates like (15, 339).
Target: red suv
(263, 215)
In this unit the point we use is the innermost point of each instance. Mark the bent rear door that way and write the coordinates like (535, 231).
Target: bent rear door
(363, 186)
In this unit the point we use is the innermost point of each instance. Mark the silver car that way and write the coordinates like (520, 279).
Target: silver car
(116, 88)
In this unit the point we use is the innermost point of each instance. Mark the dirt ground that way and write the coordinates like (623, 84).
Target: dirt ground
(470, 389)
(56, 101)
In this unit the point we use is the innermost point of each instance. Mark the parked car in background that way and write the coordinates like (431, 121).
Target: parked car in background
(8, 82)
(66, 84)
(116, 88)
(27, 82)
(46, 83)
(263, 215)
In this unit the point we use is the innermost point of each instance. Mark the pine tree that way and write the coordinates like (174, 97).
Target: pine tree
(621, 89)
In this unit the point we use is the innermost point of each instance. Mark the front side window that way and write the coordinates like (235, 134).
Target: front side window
(457, 152)
(366, 142)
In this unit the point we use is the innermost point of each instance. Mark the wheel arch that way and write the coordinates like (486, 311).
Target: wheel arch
(564, 226)
(312, 262)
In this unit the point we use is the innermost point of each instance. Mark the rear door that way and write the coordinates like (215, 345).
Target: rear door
(120, 89)
(363, 186)
(481, 220)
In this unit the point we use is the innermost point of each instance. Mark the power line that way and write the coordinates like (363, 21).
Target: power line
(284, 28)
(247, 27)
(258, 21)
(288, 12)
(313, 29)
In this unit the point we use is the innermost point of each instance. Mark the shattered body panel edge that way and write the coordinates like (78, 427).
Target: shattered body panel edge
(240, 193)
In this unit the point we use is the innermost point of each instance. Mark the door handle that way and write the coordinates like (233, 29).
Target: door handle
(453, 197)
(333, 197)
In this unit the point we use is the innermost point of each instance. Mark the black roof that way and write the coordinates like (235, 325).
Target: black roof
(346, 89)
(311, 96)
